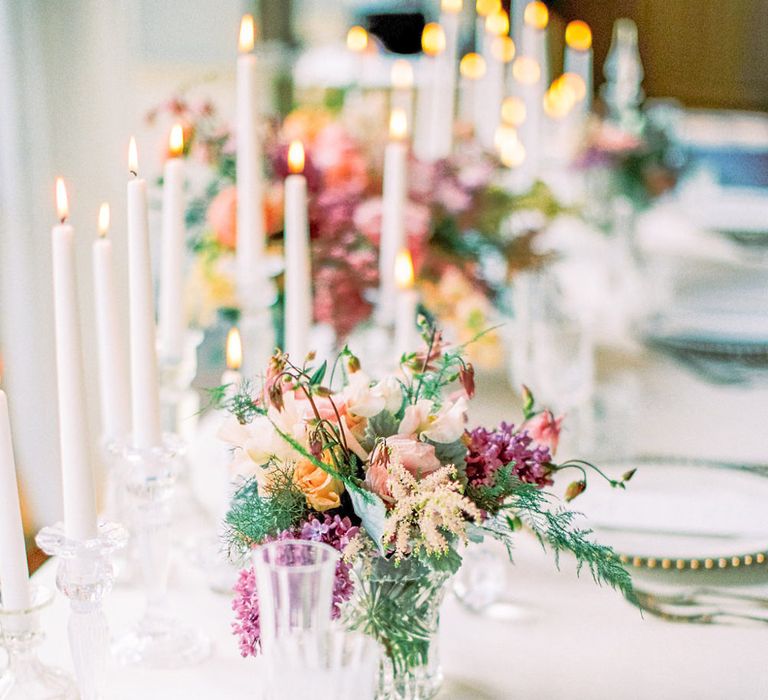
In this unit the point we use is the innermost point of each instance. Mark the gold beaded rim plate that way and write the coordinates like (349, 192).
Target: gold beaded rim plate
(747, 559)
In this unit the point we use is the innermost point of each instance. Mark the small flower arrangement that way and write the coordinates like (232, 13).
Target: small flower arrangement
(388, 473)
(641, 165)
(456, 217)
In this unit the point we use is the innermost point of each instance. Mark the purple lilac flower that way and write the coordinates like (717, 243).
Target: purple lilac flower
(335, 531)
(489, 450)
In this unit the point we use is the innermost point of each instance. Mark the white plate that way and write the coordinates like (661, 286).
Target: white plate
(681, 512)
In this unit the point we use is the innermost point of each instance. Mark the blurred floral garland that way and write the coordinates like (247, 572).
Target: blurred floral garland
(466, 235)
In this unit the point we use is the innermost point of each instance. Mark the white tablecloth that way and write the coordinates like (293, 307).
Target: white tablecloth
(575, 640)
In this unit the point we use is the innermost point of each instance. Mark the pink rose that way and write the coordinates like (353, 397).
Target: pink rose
(544, 428)
(417, 457)
(222, 217)
(377, 479)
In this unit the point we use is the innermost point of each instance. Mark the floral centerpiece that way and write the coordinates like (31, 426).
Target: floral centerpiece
(639, 165)
(457, 218)
(388, 473)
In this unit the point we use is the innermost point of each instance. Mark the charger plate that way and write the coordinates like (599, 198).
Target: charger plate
(682, 515)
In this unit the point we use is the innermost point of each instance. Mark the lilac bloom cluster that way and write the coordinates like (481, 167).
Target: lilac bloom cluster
(335, 531)
(489, 450)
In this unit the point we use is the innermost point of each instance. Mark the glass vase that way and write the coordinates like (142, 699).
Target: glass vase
(399, 606)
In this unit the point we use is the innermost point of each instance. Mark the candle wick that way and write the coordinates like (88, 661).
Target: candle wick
(134, 173)
(63, 220)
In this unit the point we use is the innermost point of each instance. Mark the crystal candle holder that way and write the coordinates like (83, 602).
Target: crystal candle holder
(26, 677)
(158, 640)
(85, 576)
(179, 401)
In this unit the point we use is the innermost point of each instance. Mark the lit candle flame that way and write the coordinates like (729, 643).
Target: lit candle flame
(398, 124)
(103, 219)
(472, 66)
(503, 49)
(62, 202)
(133, 157)
(247, 34)
(296, 157)
(512, 152)
(559, 99)
(513, 111)
(536, 15)
(402, 74)
(433, 39)
(578, 35)
(526, 70)
(497, 23)
(452, 6)
(487, 7)
(176, 141)
(404, 269)
(357, 39)
(234, 350)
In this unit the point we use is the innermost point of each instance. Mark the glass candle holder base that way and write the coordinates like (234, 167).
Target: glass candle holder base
(26, 677)
(155, 643)
(157, 640)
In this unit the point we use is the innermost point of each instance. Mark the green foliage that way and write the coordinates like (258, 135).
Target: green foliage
(555, 529)
(382, 425)
(253, 517)
(372, 514)
(454, 453)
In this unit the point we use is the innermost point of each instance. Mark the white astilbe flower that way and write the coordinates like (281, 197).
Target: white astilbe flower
(426, 511)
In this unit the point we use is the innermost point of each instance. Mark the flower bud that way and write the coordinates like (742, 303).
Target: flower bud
(574, 489)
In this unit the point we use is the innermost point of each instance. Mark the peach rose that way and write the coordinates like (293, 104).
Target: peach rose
(222, 217)
(322, 491)
(417, 457)
(377, 480)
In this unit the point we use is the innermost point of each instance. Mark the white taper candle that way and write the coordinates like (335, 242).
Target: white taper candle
(172, 320)
(298, 272)
(14, 575)
(110, 337)
(145, 388)
(76, 468)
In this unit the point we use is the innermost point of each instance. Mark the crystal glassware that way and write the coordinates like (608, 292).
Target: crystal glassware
(158, 640)
(85, 575)
(295, 583)
(26, 677)
(332, 665)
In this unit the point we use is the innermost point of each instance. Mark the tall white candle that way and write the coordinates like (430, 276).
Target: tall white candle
(250, 186)
(14, 575)
(407, 300)
(113, 364)
(394, 197)
(431, 114)
(172, 322)
(145, 388)
(358, 44)
(76, 468)
(401, 76)
(534, 37)
(472, 68)
(298, 272)
(450, 11)
(578, 61)
(528, 88)
(492, 94)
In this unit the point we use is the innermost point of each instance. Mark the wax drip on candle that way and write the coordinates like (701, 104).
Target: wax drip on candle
(176, 141)
(578, 35)
(402, 75)
(357, 39)
(296, 158)
(234, 350)
(472, 66)
(62, 202)
(103, 219)
(398, 124)
(536, 15)
(247, 34)
(133, 157)
(433, 39)
(487, 7)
